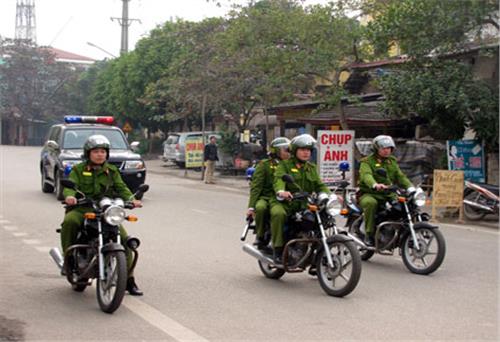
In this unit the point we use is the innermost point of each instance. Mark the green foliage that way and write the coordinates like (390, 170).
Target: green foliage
(421, 27)
(447, 96)
(229, 142)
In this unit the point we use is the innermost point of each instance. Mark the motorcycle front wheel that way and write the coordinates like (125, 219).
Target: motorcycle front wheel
(111, 289)
(271, 272)
(343, 278)
(430, 255)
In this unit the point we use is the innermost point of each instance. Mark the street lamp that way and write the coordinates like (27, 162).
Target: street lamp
(100, 48)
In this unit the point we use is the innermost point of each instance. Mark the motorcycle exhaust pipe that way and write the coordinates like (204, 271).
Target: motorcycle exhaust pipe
(477, 205)
(256, 253)
(57, 256)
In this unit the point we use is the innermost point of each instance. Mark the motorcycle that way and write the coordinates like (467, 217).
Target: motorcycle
(480, 200)
(313, 240)
(98, 252)
(400, 224)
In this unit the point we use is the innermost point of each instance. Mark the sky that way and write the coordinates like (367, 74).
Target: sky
(71, 24)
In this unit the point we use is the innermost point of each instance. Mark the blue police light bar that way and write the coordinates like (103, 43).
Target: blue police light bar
(108, 120)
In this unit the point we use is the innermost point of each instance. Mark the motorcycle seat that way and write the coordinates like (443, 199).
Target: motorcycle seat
(489, 187)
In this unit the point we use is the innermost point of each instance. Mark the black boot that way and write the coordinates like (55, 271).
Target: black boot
(132, 287)
(278, 255)
(369, 241)
(261, 244)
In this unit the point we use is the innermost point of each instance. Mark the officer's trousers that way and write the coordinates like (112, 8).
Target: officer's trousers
(370, 203)
(73, 221)
(261, 215)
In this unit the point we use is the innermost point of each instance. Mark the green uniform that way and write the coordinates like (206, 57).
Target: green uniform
(95, 184)
(368, 177)
(261, 192)
(306, 177)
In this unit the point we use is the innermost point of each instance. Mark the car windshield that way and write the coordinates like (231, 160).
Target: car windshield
(75, 138)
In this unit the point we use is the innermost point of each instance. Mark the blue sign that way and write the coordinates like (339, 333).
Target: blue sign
(468, 156)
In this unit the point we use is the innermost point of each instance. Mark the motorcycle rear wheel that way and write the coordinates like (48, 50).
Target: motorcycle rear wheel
(415, 260)
(470, 212)
(271, 272)
(346, 271)
(110, 291)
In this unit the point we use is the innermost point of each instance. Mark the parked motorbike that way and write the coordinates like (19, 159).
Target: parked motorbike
(312, 239)
(480, 200)
(400, 224)
(98, 253)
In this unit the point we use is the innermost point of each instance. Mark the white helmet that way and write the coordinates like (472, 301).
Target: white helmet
(382, 141)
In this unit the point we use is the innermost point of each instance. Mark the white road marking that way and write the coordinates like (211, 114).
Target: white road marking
(200, 211)
(4, 221)
(10, 228)
(43, 249)
(161, 321)
(469, 228)
(231, 189)
(32, 241)
(19, 234)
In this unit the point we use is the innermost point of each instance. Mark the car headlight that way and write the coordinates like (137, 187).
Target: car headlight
(333, 206)
(134, 165)
(114, 215)
(420, 197)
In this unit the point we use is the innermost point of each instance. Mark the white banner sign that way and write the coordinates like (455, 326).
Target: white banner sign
(335, 147)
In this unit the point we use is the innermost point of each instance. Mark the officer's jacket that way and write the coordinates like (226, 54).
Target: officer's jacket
(368, 176)
(95, 184)
(262, 181)
(305, 176)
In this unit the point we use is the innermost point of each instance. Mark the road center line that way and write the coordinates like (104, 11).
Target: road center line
(4, 221)
(10, 228)
(32, 241)
(200, 211)
(19, 234)
(161, 321)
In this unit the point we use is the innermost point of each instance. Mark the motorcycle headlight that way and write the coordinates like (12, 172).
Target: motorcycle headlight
(333, 206)
(70, 162)
(420, 197)
(134, 165)
(114, 215)
(323, 198)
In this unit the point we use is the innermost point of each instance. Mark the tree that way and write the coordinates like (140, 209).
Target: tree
(32, 82)
(446, 95)
(432, 84)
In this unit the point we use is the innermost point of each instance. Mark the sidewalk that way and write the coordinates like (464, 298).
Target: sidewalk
(239, 183)
(158, 166)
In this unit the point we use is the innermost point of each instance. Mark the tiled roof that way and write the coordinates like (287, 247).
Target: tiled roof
(68, 56)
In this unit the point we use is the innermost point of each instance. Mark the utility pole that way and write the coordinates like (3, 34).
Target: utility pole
(124, 22)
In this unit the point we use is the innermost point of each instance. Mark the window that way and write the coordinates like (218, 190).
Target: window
(75, 138)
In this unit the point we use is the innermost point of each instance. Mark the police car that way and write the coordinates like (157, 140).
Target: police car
(64, 148)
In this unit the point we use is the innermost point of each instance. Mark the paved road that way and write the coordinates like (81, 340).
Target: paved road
(199, 285)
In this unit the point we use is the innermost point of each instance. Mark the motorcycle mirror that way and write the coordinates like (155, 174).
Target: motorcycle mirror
(68, 183)
(381, 172)
(287, 179)
(141, 189)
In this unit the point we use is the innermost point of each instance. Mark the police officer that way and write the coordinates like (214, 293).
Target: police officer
(376, 173)
(96, 178)
(261, 190)
(306, 178)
